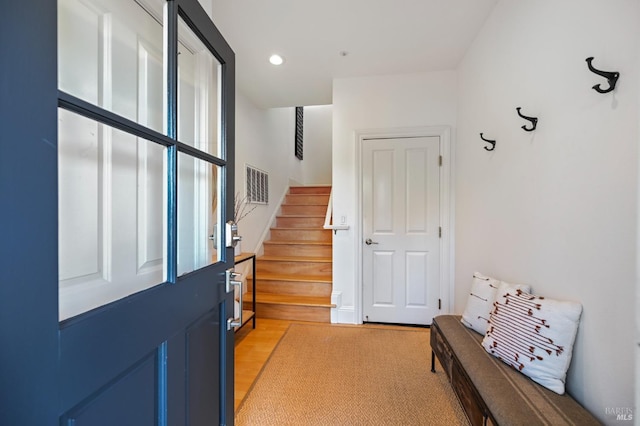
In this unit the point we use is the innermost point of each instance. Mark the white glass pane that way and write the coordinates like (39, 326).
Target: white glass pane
(110, 53)
(111, 207)
(198, 219)
(199, 82)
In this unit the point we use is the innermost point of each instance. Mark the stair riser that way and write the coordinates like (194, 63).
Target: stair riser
(294, 313)
(296, 250)
(322, 269)
(294, 288)
(303, 210)
(307, 199)
(299, 222)
(323, 235)
(310, 190)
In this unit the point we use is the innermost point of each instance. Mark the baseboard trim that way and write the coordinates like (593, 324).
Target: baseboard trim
(342, 314)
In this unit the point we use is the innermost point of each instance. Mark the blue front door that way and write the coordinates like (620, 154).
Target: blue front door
(116, 177)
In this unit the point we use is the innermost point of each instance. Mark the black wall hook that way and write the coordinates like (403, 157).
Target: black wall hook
(493, 143)
(533, 120)
(612, 77)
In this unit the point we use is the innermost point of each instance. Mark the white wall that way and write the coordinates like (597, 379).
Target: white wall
(315, 168)
(317, 133)
(414, 100)
(556, 208)
(261, 143)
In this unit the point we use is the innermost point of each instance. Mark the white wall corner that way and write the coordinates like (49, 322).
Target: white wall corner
(294, 182)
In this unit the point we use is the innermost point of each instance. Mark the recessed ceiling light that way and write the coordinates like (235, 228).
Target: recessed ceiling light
(276, 59)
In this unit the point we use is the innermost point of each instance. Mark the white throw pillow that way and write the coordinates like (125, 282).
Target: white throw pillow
(534, 335)
(480, 301)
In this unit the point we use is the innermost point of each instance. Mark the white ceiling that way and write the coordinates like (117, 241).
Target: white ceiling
(381, 37)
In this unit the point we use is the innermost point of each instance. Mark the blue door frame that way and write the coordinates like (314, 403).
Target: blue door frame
(162, 356)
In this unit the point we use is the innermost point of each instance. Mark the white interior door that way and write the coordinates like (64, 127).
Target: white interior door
(401, 226)
(111, 208)
(113, 201)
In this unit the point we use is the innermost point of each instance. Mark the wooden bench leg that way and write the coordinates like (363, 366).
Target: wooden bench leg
(433, 362)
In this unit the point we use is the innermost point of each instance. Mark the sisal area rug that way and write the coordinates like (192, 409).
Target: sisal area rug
(342, 375)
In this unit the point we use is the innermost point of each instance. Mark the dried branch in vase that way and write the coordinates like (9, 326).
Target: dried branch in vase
(241, 208)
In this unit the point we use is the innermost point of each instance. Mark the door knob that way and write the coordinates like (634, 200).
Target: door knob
(232, 234)
(369, 242)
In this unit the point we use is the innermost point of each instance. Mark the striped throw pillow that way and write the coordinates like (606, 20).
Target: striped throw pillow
(534, 335)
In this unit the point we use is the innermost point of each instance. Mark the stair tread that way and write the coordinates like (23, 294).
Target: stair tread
(322, 187)
(302, 216)
(307, 193)
(270, 276)
(315, 259)
(283, 299)
(306, 204)
(301, 228)
(291, 242)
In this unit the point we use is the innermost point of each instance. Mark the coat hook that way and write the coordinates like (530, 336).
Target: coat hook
(493, 143)
(533, 120)
(612, 77)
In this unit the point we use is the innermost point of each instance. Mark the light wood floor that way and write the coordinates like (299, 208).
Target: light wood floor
(253, 348)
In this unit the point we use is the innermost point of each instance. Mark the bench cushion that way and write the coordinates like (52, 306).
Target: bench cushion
(512, 398)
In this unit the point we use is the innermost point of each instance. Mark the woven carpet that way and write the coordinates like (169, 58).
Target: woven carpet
(340, 375)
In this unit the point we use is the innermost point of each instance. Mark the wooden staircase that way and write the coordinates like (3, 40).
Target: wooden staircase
(294, 276)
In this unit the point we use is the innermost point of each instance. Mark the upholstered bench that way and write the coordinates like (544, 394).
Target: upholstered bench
(492, 392)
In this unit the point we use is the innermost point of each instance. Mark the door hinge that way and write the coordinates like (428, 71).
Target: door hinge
(439, 304)
(440, 232)
(440, 161)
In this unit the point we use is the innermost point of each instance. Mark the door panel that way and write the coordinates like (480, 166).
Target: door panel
(198, 93)
(400, 228)
(99, 51)
(111, 214)
(149, 102)
(126, 401)
(197, 213)
(383, 292)
(416, 275)
(382, 214)
(79, 225)
(203, 376)
(150, 201)
(417, 189)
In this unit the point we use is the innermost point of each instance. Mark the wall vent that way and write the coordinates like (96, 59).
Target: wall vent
(257, 185)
